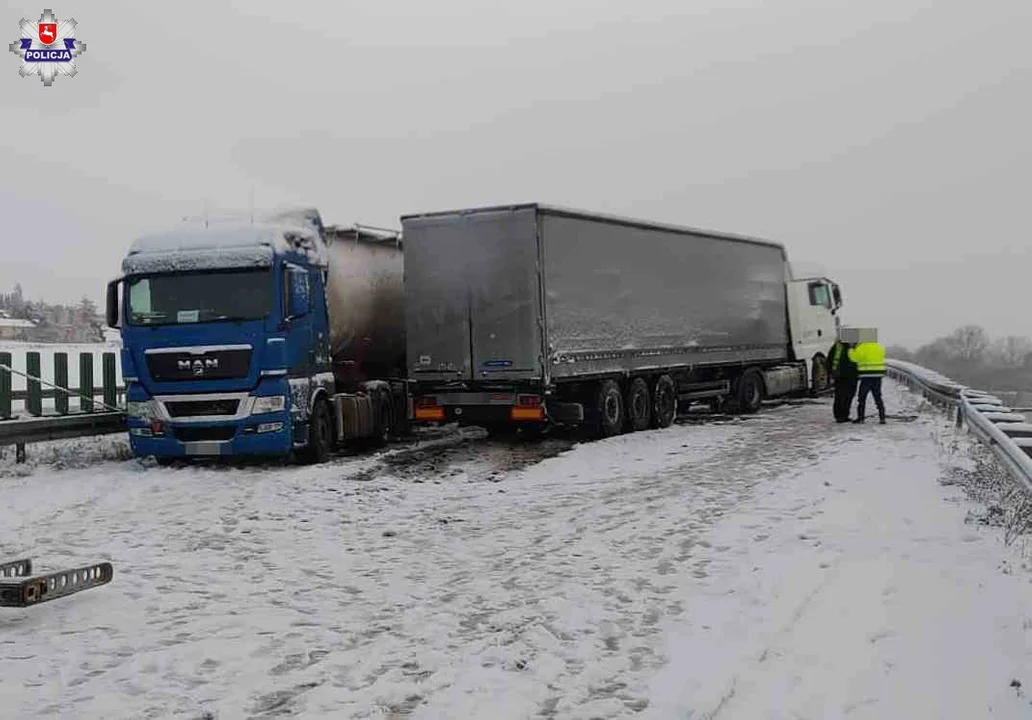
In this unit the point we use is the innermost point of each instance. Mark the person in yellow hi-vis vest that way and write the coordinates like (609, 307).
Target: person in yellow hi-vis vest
(870, 365)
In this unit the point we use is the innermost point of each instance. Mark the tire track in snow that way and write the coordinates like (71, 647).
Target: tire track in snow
(570, 530)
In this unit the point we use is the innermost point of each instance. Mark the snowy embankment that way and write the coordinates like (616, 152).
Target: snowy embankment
(782, 566)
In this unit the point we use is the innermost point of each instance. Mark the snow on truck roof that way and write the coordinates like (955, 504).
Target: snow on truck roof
(600, 217)
(245, 240)
(222, 245)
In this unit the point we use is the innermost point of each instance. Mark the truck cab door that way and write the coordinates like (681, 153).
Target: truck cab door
(297, 320)
(811, 319)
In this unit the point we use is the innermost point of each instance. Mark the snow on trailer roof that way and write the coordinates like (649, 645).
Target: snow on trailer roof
(600, 217)
(363, 233)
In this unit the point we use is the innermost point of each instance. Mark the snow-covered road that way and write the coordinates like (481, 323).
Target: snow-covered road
(780, 567)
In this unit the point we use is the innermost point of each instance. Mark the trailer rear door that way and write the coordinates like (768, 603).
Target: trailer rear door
(505, 298)
(473, 295)
(436, 300)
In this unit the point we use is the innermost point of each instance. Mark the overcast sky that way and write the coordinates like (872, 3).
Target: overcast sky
(887, 140)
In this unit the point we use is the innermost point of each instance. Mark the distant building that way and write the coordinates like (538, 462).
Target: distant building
(112, 336)
(15, 328)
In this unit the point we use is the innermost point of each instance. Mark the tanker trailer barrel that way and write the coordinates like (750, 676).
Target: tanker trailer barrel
(365, 301)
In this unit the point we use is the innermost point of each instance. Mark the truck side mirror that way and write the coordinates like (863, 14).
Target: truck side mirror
(112, 312)
(298, 297)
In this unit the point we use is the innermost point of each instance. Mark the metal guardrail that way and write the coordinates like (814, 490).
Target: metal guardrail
(36, 424)
(60, 427)
(1002, 429)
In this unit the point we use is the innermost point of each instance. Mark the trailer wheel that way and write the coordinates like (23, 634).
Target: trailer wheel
(664, 402)
(639, 405)
(384, 425)
(320, 435)
(750, 391)
(609, 409)
(399, 403)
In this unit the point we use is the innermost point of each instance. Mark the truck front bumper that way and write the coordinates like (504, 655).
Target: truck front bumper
(212, 424)
(271, 435)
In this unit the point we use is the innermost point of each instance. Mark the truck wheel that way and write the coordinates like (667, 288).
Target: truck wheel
(609, 408)
(750, 391)
(639, 405)
(820, 380)
(320, 435)
(664, 402)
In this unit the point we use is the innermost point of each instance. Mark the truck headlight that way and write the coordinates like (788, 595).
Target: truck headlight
(269, 404)
(144, 410)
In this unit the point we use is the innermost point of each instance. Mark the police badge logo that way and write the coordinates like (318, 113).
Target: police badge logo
(48, 48)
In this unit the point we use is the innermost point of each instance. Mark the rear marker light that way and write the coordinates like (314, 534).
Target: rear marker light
(430, 413)
(527, 413)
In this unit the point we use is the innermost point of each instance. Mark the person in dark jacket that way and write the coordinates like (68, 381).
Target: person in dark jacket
(844, 371)
(870, 361)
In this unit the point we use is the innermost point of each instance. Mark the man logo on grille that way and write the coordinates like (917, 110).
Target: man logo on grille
(198, 367)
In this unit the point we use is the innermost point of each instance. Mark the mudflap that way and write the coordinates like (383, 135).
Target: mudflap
(18, 588)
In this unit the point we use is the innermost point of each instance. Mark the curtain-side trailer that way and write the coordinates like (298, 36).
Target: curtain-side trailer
(532, 314)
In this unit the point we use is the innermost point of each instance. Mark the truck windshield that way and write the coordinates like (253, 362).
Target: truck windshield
(199, 297)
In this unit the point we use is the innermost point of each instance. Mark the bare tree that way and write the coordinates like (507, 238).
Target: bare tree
(968, 344)
(1011, 351)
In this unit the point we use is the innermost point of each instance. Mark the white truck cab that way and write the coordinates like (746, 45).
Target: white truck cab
(813, 305)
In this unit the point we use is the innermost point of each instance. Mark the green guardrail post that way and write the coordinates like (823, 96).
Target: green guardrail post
(5, 386)
(34, 404)
(110, 389)
(61, 380)
(86, 382)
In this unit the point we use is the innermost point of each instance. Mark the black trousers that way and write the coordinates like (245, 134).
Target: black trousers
(845, 390)
(870, 385)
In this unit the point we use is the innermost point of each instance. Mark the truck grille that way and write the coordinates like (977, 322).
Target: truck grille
(211, 365)
(201, 408)
(202, 434)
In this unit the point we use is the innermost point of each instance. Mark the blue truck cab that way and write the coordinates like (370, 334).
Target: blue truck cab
(226, 347)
